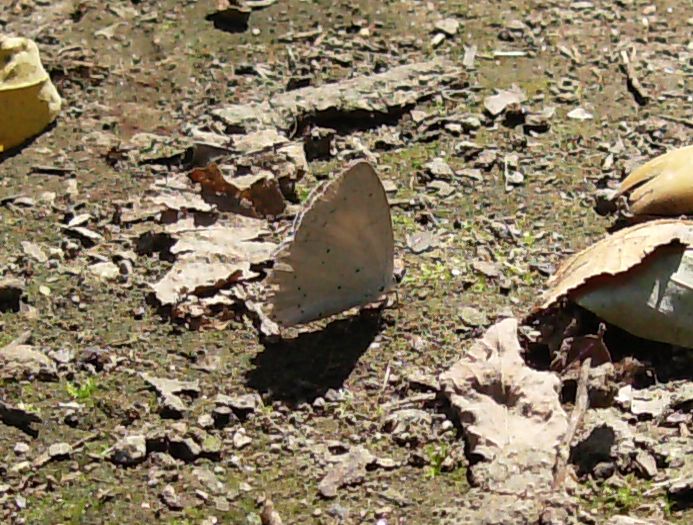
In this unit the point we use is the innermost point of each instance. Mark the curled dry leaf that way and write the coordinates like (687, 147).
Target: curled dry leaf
(662, 186)
(639, 279)
(260, 191)
(511, 414)
(578, 349)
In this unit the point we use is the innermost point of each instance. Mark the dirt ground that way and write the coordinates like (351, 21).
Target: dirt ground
(129, 67)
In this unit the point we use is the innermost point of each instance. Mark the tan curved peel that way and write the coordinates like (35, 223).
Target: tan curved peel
(662, 186)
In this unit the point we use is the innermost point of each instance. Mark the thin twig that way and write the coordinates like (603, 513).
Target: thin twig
(679, 120)
(419, 398)
(21, 339)
(576, 417)
(386, 379)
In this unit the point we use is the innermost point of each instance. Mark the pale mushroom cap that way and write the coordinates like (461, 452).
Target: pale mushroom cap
(639, 278)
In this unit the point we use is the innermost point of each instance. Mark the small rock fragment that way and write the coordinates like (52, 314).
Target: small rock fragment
(496, 104)
(439, 169)
(473, 317)
(59, 451)
(34, 251)
(350, 470)
(268, 515)
(184, 449)
(421, 242)
(682, 489)
(105, 270)
(580, 114)
(20, 361)
(241, 405)
(486, 268)
(241, 440)
(448, 26)
(469, 56)
(170, 498)
(645, 464)
(130, 450)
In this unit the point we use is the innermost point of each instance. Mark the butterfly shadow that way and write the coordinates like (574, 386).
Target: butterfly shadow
(305, 367)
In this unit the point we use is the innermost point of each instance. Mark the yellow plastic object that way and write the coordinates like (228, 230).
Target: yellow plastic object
(28, 100)
(662, 186)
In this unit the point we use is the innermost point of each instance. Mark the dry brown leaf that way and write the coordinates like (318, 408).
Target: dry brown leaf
(211, 178)
(578, 349)
(639, 278)
(511, 414)
(212, 257)
(198, 277)
(662, 186)
(262, 190)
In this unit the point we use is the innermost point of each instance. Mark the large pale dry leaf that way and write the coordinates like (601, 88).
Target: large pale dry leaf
(212, 242)
(198, 277)
(662, 186)
(212, 257)
(234, 241)
(639, 278)
(180, 200)
(258, 141)
(511, 414)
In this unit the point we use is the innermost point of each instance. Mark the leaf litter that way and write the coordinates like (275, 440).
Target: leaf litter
(273, 118)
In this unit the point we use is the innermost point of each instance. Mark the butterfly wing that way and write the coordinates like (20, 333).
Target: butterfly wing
(341, 253)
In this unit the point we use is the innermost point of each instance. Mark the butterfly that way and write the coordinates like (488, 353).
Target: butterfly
(340, 254)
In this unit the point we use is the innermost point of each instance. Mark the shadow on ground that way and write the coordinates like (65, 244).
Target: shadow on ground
(305, 367)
